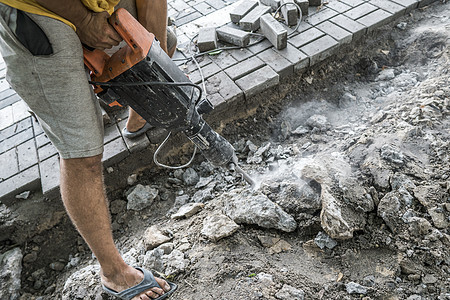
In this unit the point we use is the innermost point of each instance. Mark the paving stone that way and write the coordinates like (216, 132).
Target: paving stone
(409, 4)
(179, 4)
(315, 2)
(242, 9)
(27, 180)
(357, 29)
(261, 46)
(222, 84)
(339, 6)
(258, 81)
(157, 135)
(274, 31)
(6, 117)
(299, 59)
(423, 3)
(233, 36)
(214, 19)
(207, 71)
(207, 39)
(27, 155)
(338, 33)
(277, 62)
(204, 8)
(353, 3)
(186, 19)
(137, 144)
(375, 19)
(8, 161)
(389, 6)
(14, 129)
(224, 60)
(251, 21)
(114, 151)
(191, 66)
(321, 16)
(50, 175)
(41, 140)
(112, 132)
(217, 4)
(274, 4)
(216, 100)
(306, 37)
(20, 111)
(304, 5)
(320, 49)
(36, 127)
(360, 11)
(241, 54)
(245, 67)
(302, 27)
(9, 98)
(16, 139)
(290, 12)
(46, 152)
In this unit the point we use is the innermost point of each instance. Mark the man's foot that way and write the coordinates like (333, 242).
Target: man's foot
(131, 277)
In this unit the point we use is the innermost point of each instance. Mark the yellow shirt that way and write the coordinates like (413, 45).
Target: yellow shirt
(33, 7)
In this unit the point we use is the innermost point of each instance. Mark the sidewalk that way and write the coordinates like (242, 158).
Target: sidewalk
(30, 163)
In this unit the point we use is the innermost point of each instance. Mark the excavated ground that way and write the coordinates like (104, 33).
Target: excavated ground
(382, 111)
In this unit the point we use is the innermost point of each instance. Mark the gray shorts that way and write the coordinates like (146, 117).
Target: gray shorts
(56, 87)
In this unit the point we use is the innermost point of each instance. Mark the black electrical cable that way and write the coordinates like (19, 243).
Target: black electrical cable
(150, 83)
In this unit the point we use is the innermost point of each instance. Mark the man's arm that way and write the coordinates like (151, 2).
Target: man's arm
(152, 14)
(93, 29)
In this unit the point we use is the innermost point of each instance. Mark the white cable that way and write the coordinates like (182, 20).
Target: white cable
(155, 158)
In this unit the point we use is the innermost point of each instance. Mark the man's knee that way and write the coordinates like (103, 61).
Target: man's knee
(92, 163)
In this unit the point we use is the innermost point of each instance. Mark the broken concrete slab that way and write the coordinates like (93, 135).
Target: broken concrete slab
(274, 31)
(207, 39)
(242, 10)
(233, 36)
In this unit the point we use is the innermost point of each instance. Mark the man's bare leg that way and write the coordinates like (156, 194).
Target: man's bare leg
(84, 197)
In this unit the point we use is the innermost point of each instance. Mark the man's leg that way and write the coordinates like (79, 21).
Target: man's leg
(55, 87)
(83, 195)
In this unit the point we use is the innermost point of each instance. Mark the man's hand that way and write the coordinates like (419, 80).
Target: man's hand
(95, 31)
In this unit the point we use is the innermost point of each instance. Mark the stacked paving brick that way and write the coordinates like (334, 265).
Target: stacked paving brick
(30, 162)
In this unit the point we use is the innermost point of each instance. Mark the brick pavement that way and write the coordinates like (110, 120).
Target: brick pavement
(30, 162)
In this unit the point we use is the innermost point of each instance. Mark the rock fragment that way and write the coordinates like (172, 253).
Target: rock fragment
(188, 210)
(324, 241)
(257, 209)
(175, 263)
(82, 284)
(141, 197)
(10, 274)
(355, 288)
(153, 237)
(218, 226)
(332, 220)
(288, 292)
(190, 177)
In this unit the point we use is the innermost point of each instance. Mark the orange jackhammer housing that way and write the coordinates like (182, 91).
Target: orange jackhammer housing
(139, 41)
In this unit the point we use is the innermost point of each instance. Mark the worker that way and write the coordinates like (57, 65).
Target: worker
(41, 44)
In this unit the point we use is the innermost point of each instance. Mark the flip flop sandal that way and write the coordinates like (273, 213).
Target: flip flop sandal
(135, 134)
(147, 283)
